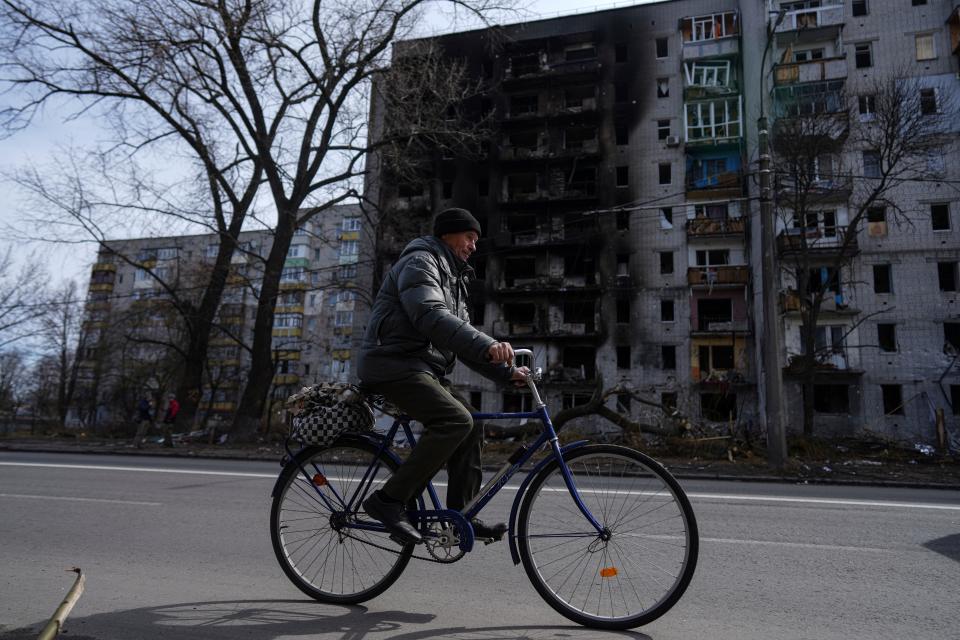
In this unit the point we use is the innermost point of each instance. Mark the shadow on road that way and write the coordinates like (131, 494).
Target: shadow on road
(946, 546)
(268, 619)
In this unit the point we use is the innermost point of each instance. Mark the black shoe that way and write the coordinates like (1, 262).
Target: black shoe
(392, 516)
(486, 532)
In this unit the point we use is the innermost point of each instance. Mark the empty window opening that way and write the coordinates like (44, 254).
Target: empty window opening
(623, 311)
(519, 269)
(940, 216)
(666, 311)
(668, 357)
(892, 399)
(951, 334)
(716, 358)
(831, 398)
(583, 359)
(582, 96)
(580, 52)
(666, 262)
(623, 176)
(947, 276)
(712, 257)
(580, 312)
(887, 336)
(524, 104)
(663, 47)
(711, 312)
(882, 280)
(718, 407)
(579, 137)
(623, 357)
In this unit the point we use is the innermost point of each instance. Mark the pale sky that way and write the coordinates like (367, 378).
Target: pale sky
(38, 145)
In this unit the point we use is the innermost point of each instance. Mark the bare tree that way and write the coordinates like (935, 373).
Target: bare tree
(21, 297)
(275, 91)
(836, 172)
(60, 339)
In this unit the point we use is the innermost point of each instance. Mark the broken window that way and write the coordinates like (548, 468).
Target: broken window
(713, 119)
(623, 176)
(887, 336)
(521, 184)
(718, 407)
(947, 275)
(951, 334)
(831, 398)
(666, 262)
(571, 400)
(623, 311)
(666, 311)
(823, 279)
(663, 129)
(663, 47)
(940, 216)
(623, 220)
(716, 358)
(524, 139)
(583, 359)
(580, 52)
(623, 357)
(524, 104)
(521, 312)
(520, 223)
(519, 269)
(580, 312)
(668, 357)
(580, 266)
(712, 257)
(711, 311)
(663, 87)
(623, 264)
(892, 399)
(882, 281)
(579, 137)
(524, 64)
(582, 96)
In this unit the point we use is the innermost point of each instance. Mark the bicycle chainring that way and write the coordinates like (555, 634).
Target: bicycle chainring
(444, 545)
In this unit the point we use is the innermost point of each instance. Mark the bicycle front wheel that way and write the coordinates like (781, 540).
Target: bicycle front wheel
(318, 497)
(638, 568)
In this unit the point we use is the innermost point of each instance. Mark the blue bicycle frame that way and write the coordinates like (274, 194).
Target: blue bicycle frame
(424, 517)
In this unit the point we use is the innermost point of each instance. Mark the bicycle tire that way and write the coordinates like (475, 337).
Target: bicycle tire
(650, 524)
(326, 565)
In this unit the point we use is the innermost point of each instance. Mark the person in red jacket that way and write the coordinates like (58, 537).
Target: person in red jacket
(169, 418)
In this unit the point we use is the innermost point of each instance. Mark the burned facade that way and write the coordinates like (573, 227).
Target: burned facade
(612, 192)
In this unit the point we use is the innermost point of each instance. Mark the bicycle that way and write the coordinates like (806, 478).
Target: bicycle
(605, 534)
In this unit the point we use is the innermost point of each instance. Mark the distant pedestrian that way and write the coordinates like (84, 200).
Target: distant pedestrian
(169, 418)
(144, 420)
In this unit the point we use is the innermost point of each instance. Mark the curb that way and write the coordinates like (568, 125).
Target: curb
(180, 452)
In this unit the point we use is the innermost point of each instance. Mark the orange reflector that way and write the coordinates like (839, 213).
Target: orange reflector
(319, 480)
(608, 572)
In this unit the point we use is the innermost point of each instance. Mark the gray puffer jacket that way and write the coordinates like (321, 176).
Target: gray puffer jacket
(420, 321)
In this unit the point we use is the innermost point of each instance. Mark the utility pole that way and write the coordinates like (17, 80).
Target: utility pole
(770, 339)
(770, 344)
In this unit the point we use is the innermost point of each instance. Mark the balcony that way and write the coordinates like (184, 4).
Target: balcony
(810, 71)
(717, 186)
(819, 127)
(710, 35)
(546, 285)
(104, 266)
(836, 364)
(708, 325)
(718, 276)
(537, 331)
(104, 287)
(287, 332)
(293, 285)
(832, 304)
(820, 191)
(715, 228)
(812, 24)
(536, 68)
(818, 241)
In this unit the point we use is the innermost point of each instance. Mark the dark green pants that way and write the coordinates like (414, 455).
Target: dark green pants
(450, 438)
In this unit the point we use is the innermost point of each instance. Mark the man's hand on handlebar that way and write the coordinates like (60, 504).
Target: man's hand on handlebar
(520, 375)
(501, 353)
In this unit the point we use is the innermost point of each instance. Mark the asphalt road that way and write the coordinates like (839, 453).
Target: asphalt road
(177, 548)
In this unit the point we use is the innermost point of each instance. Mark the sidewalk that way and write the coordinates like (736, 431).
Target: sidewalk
(909, 471)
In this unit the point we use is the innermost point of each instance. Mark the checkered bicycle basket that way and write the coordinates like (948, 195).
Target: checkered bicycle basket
(324, 411)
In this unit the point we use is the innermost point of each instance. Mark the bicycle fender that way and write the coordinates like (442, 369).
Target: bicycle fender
(515, 509)
(346, 438)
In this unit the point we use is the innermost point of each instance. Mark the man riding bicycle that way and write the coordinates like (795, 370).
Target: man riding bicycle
(418, 328)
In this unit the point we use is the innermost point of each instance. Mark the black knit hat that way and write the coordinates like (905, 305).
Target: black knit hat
(453, 221)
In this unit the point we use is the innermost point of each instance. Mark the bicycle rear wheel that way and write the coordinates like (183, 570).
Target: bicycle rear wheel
(643, 567)
(325, 559)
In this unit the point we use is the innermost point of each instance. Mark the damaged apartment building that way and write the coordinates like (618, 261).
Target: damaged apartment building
(612, 195)
(618, 194)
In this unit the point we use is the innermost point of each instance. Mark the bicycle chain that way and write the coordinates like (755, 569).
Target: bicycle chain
(390, 550)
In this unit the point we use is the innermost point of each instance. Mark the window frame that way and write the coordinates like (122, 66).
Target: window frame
(863, 49)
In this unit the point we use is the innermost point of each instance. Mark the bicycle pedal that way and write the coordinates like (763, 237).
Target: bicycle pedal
(489, 540)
